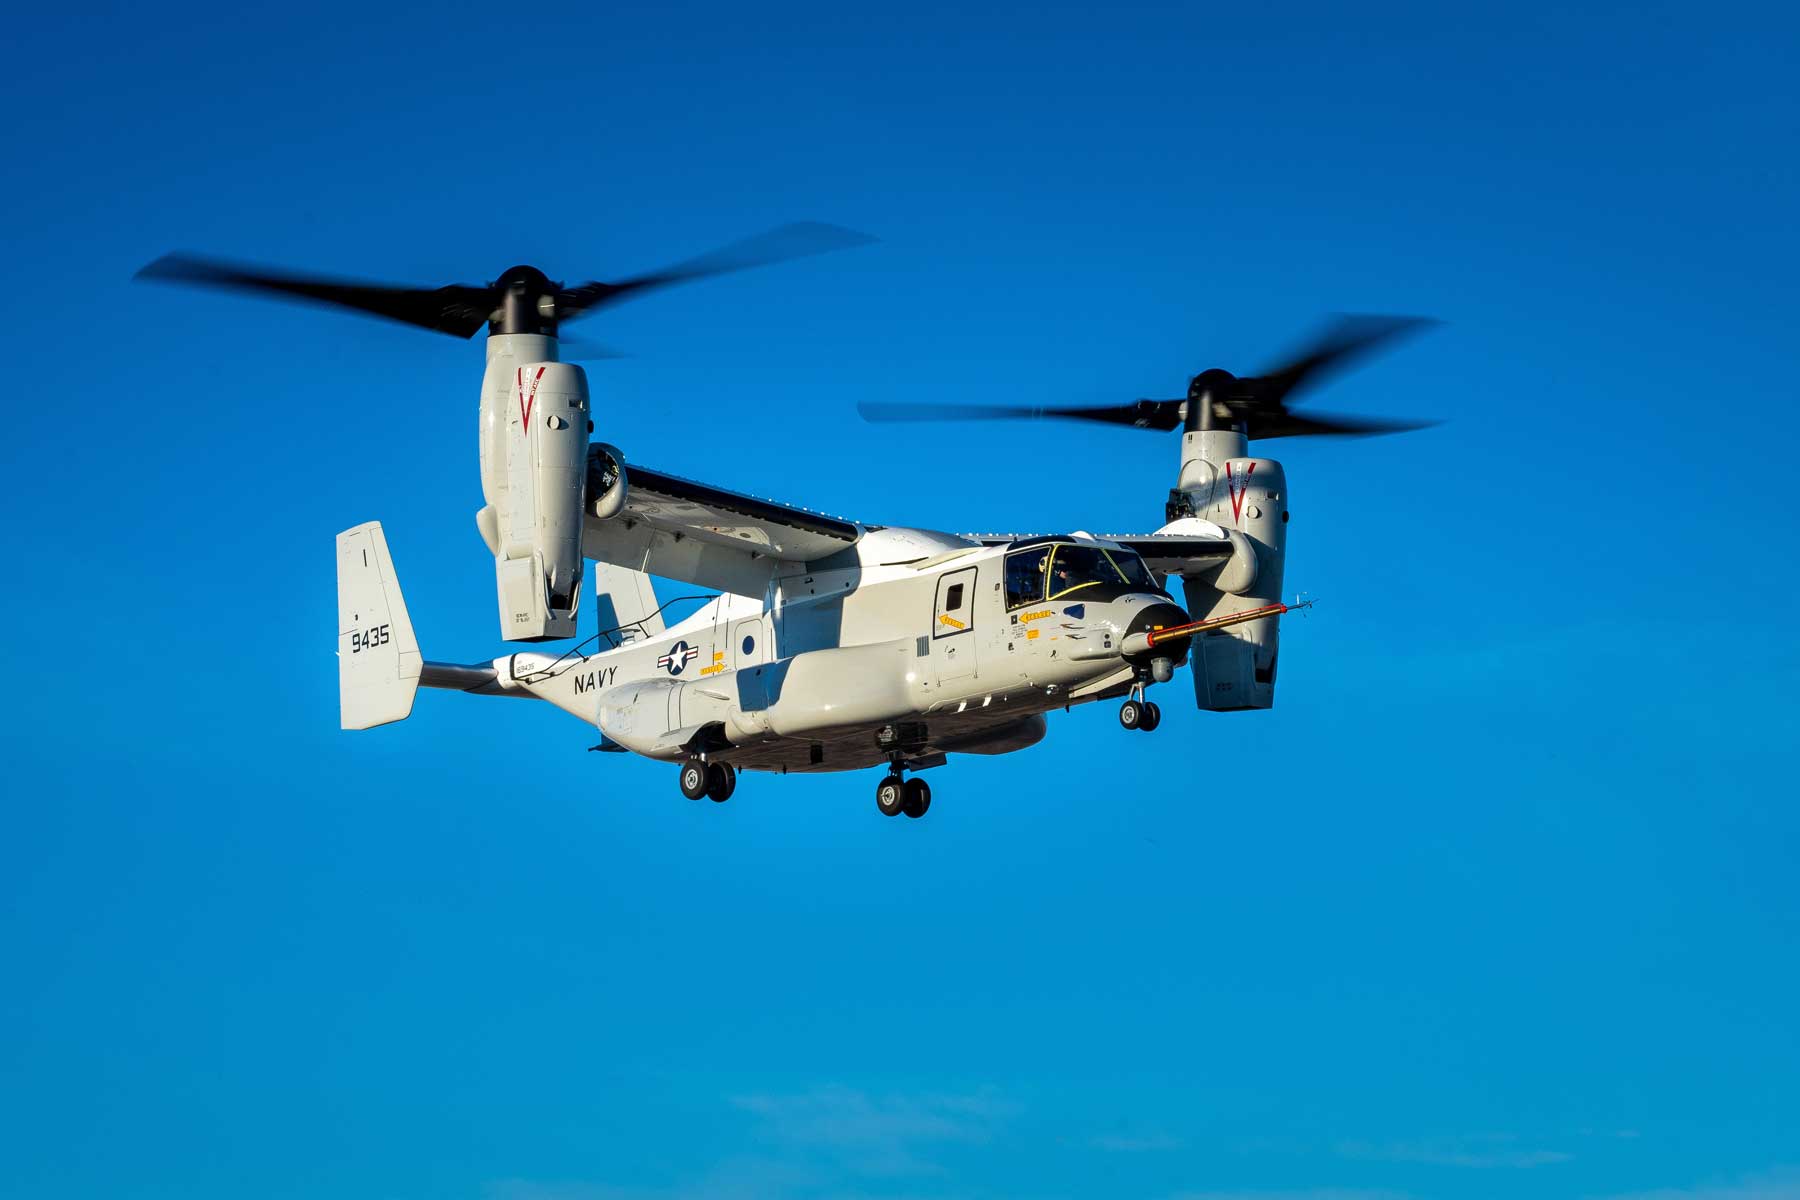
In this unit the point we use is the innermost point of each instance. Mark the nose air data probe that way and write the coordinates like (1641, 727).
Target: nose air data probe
(831, 645)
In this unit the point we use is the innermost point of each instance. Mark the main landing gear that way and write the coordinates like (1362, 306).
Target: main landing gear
(715, 781)
(1139, 713)
(894, 795)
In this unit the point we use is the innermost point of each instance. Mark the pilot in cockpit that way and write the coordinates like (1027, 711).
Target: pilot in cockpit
(1062, 575)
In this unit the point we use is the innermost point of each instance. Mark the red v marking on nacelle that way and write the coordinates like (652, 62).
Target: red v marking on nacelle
(1239, 488)
(525, 401)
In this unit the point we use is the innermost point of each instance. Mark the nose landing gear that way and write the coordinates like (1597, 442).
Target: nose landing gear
(715, 781)
(895, 795)
(1139, 713)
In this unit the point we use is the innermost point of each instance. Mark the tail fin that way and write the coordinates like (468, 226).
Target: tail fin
(378, 656)
(626, 601)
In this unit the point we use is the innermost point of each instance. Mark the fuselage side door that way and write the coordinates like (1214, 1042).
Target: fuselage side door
(953, 625)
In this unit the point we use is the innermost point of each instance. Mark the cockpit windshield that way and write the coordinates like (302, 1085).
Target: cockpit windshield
(1075, 567)
(1051, 572)
(1134, 570)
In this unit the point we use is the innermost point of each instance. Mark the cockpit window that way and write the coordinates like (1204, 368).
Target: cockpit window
(1025, 576)
(1075, 567)
(1053, 571)
(1134, 570)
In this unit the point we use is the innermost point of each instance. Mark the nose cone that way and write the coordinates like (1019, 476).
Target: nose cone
(1160, 615)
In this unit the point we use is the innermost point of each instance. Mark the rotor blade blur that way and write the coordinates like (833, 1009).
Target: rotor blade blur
(457, 310)
(782, 244)
(1347, 339)
(1144, 414)
(1294, 425)
(579, 349)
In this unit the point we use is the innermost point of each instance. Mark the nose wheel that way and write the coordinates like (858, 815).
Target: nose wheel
(715, 781)
(894, 795)
(1140, 714)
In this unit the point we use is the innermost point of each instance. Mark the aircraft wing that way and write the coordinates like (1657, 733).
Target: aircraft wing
(705, 535)
(1176, 554)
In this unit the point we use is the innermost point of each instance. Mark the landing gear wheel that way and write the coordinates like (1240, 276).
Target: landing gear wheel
(695, 779)
(1152, 716)
(916, 798)
(721, 781)
(1131, 714)
(890, 796)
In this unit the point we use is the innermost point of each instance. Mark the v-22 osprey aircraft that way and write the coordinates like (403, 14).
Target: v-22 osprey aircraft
(831, 645)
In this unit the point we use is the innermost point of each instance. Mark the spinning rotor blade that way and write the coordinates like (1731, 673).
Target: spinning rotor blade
(457, 310)
(800, 240)
(1145, 414)
(1292, 425)
(521, 301)
(580, 349)
(1347, 339)
(1218, 399)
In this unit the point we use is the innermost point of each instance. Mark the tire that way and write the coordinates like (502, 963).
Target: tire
(721, 782)
(1152, 716)
(695, 779)
(1131, 714)
(916, 801)
(890, 796)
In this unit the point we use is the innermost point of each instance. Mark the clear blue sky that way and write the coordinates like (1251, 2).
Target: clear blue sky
(1499, 901)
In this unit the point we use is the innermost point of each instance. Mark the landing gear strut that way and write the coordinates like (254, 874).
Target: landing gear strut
(716, 781)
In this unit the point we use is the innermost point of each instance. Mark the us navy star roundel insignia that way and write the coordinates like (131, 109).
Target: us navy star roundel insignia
(679, 656)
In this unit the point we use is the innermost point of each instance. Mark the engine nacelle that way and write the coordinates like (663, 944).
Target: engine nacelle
(1234, 668)
(534, 440)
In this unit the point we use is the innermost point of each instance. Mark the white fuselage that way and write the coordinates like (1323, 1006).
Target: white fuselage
(913, 632)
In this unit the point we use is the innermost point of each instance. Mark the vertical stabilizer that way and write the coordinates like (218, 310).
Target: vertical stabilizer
(378, 656)
(626, 601)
